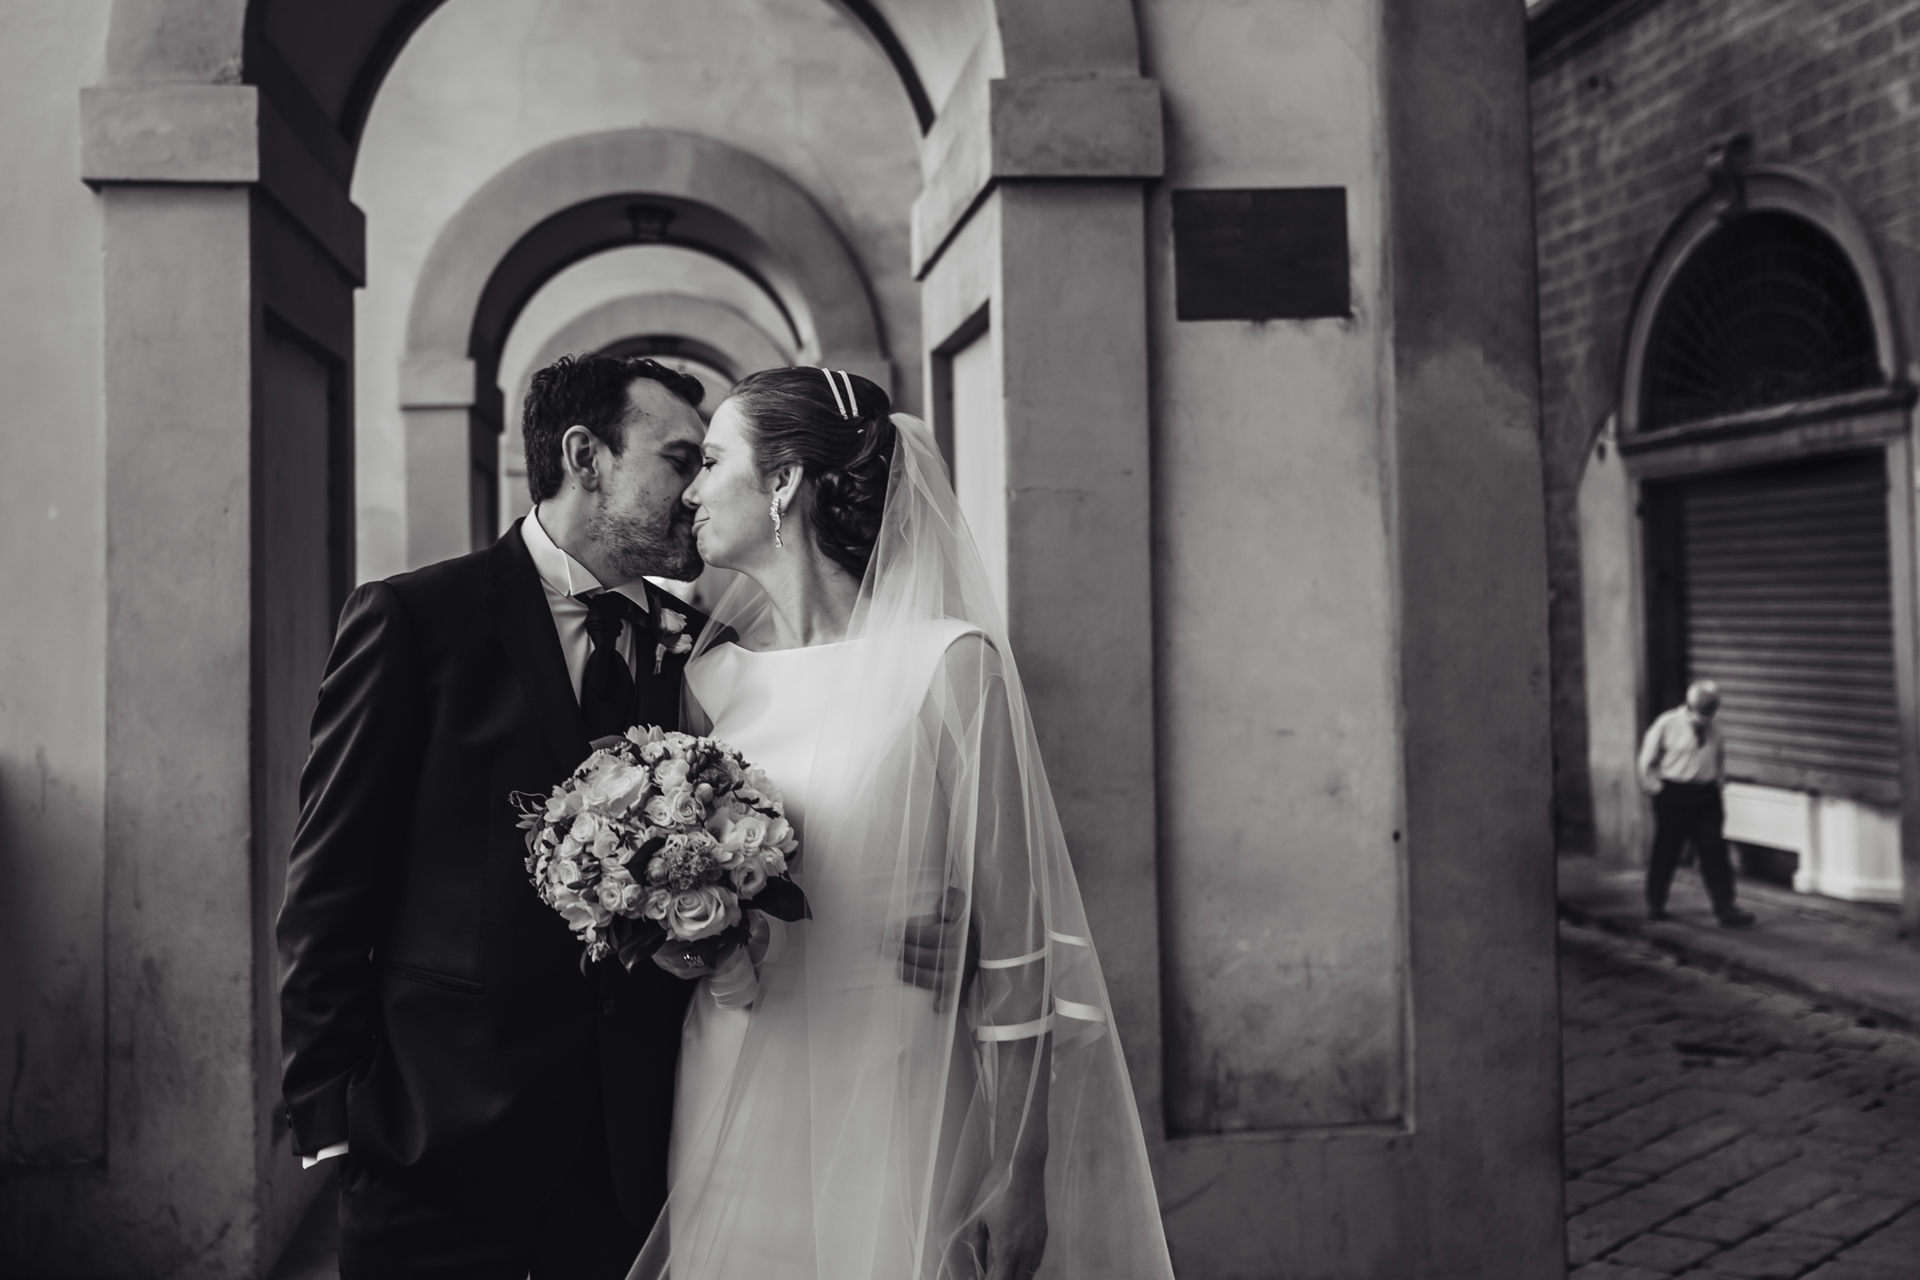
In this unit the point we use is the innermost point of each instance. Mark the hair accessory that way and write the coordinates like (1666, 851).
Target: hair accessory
(846, 404)
(773, 509)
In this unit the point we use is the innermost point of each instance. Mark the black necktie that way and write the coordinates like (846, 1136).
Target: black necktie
(1699, 734)
(606, 689)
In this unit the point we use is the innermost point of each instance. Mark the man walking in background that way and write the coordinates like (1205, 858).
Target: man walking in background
(1683, 765)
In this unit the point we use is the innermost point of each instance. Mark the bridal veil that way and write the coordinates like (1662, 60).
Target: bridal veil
(928, 798)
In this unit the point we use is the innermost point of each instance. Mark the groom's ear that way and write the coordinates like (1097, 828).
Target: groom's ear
(579, 458)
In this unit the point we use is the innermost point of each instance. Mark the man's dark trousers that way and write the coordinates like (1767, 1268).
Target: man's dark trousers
(1683, 813)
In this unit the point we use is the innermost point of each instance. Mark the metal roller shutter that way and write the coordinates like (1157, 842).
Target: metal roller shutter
(1788, 605)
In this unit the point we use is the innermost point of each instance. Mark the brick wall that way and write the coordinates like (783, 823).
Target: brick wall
(1622, 120)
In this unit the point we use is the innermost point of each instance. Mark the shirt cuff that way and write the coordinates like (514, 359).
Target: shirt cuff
(325, 1153)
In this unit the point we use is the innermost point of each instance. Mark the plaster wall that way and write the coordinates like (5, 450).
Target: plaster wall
(52, 634)
(1276, 632)
(53, 625)
(1614, 669)
(1350, 604)
(484, 82)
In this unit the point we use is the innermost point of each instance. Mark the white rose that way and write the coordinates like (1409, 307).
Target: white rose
(683, 808)
(702, 912)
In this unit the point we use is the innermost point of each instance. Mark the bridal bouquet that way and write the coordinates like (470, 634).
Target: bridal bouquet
(662, 839)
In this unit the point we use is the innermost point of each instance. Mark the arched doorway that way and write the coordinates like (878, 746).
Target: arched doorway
(1765, 435)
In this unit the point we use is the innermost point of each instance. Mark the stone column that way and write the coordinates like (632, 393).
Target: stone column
(447, 513)
(1031, 237)
(230, 256)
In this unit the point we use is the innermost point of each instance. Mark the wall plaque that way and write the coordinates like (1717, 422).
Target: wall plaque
(1277, 253)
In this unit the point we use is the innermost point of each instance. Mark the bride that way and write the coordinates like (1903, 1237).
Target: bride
(923, 1080)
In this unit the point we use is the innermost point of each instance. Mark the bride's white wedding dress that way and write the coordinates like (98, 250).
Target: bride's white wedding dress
(743, 1110)
(852, 1125)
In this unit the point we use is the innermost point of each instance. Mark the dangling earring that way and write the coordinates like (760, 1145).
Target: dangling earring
(773, 510)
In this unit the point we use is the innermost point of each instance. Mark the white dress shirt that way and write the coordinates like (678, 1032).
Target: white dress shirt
(1679, 749)
(568, 586)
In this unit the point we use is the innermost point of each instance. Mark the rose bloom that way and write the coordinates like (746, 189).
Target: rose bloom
(656, 868)
(584, 828)
(682, 808)
(750, 876)
(659, 905)
(669, 774)
(658, 813)
(580, 912)
(752, 830)
(561, 805)
(563, 871)
(702, 912)
(615, 788)
(607, 843)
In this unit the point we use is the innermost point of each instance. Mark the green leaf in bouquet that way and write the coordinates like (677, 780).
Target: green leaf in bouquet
(636, 940)
(782, 899)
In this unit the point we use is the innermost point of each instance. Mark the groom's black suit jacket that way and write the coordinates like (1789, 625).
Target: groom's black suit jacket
(435, 1014)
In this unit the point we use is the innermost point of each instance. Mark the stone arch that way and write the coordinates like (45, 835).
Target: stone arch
(738, 341)
(335, 57)
(1762, 188)
(567, 201)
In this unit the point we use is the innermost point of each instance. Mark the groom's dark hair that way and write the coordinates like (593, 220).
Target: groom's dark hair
(586, 391)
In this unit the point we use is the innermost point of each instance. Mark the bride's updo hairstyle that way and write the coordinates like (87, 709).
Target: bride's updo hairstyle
(793, 417)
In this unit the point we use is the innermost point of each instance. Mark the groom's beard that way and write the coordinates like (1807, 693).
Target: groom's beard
(648, 544)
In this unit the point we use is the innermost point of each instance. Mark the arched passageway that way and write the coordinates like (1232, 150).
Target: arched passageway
(259, 170)
(569, 201)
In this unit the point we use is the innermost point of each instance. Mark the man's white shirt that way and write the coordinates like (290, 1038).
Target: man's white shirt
(1678, 749)
(568, 586)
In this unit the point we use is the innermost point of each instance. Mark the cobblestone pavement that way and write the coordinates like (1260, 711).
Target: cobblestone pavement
(1717, 1130)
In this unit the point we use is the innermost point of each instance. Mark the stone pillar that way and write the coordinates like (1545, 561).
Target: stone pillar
(1357, 870)
(1031, 237)
(230, 256)
(448, 511)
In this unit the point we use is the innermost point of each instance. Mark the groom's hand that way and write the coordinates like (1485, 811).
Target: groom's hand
(936, 946)
(1010, 1239)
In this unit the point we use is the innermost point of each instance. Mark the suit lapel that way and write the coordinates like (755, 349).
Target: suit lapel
(518, 604)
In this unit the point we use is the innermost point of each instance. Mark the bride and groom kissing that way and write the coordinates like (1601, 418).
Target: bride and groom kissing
(926, 1083)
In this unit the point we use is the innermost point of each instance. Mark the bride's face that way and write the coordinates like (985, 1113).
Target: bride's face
(729, 499)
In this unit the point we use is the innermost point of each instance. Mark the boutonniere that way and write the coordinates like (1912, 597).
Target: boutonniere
(674, 638)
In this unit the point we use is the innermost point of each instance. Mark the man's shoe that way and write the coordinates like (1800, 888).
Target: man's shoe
(1656, 914)
(1737, 919)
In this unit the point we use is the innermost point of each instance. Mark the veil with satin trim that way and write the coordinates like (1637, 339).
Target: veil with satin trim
(927, 798)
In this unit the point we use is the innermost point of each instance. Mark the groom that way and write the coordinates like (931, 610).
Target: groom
(494, 1110)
